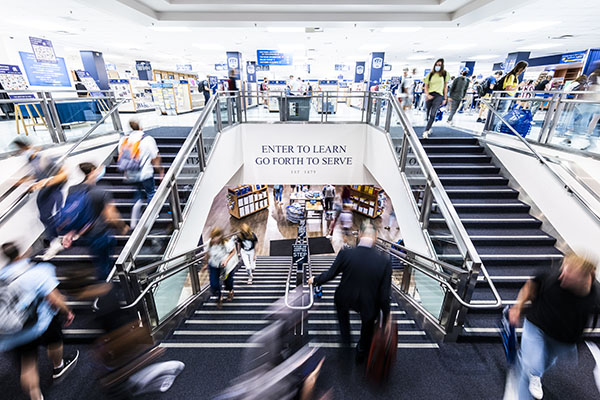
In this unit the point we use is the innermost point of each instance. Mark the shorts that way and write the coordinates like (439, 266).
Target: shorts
(53, 335)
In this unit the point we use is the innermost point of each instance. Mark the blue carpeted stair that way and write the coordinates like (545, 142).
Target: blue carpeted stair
(510, 242)
(74, 266)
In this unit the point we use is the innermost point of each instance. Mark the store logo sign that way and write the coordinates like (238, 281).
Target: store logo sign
(377, 62)
(232, 62)
(360, 69)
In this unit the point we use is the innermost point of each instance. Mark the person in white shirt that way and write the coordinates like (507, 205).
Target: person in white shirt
(149, 162)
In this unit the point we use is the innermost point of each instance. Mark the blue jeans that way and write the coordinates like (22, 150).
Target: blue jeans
(215, 281)
(49, 201)
(539, 352)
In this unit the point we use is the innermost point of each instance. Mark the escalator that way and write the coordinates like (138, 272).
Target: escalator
(75, 263)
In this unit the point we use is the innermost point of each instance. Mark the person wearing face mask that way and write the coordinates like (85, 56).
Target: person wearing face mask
(562, 303)
(436, 93)
(365, 287)
(92, 226)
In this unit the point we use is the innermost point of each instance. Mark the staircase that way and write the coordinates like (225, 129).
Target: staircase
(510, 242)
(237, 321)
(78, 261)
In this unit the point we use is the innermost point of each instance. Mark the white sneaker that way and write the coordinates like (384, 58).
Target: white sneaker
(535, 387)
(54, 248)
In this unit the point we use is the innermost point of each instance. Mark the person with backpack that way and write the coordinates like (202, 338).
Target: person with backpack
(365, 287)
(557, 305)
(457, 93)
(484, 91)
(49, 180)
(30, 309)
(247, 243)
(204, 88)
(88, 217)
(328, 196)
(436, 93)
(139, 159)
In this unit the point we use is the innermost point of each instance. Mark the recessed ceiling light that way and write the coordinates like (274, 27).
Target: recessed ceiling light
(527, 26)
(539, 46)
(285, 29)
(401, 29)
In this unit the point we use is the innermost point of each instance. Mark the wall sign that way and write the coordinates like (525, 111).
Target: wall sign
(273, 57)
(45, 74)
(43, 50)
(570, 58)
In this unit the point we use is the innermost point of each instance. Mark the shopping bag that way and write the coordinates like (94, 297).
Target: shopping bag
(520, 119)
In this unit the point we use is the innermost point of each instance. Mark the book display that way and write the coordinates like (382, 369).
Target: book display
(245, 200)
(367, 200)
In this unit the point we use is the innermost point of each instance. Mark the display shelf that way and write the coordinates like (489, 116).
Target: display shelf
(246, 200)
(367, 200)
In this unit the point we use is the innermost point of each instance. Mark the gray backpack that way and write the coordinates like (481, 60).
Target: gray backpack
(18, 307)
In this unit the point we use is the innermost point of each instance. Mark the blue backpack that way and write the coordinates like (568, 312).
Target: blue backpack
(76, 213)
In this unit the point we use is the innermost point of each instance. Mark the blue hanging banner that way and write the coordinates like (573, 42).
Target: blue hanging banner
(359, 72)
(251, 71)
(43, 50)
(45, 73)
(376, 71)
(234, 63)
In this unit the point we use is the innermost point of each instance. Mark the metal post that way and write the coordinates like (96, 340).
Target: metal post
(60, 133)
(426, 206)
(175, 203)
(47, 117)
(404, 153)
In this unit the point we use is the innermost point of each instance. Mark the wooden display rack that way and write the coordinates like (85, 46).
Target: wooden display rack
(365, 200)
(255, 199)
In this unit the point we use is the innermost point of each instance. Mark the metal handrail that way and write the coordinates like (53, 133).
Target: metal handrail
(434, 274)
(544, 162)
(137, 237)
(20, 201)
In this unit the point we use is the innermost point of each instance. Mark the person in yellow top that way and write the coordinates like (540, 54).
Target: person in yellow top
(436, 93)
(509, 84)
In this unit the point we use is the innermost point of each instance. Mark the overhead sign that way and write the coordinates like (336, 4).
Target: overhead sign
(273, 57)
(184, 67)
(571, 58)
(45, 73)
(43, 50)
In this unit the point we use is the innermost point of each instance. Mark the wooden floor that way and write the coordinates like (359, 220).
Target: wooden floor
(271, 224)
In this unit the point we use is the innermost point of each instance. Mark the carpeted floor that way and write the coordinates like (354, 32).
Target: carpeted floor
(318, 245)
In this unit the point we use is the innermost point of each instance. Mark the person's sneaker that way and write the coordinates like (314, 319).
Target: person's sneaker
(54, 248)
(68, 364)
(535, 387)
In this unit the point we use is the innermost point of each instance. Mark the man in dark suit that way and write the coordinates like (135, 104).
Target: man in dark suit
(365, 287)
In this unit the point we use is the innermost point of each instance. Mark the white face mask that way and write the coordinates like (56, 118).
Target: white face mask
(437, 68)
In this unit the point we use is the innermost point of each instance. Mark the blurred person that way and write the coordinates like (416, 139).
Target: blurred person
(50, 179)
(32, 287)
(91, 223)
(436, 93)
(220, 253)
(457, 92)
(562, 302)
(139, 159)
(485, 92)
(247, 241)
(328, 196)
(364, 288)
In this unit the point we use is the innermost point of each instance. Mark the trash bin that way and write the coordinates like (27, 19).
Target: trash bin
(298, 108)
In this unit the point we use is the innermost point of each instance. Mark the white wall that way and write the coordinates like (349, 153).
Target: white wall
(566, 214)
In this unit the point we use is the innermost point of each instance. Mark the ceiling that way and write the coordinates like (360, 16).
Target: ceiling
(411, 32)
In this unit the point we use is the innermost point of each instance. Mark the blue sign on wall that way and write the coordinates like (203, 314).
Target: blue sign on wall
(570, 58)
(376, 68)
(359, 72)
(273, 57)
(45, 74)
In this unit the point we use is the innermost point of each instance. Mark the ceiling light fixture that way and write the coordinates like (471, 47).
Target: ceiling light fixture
(400, 29)
(527, 26)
